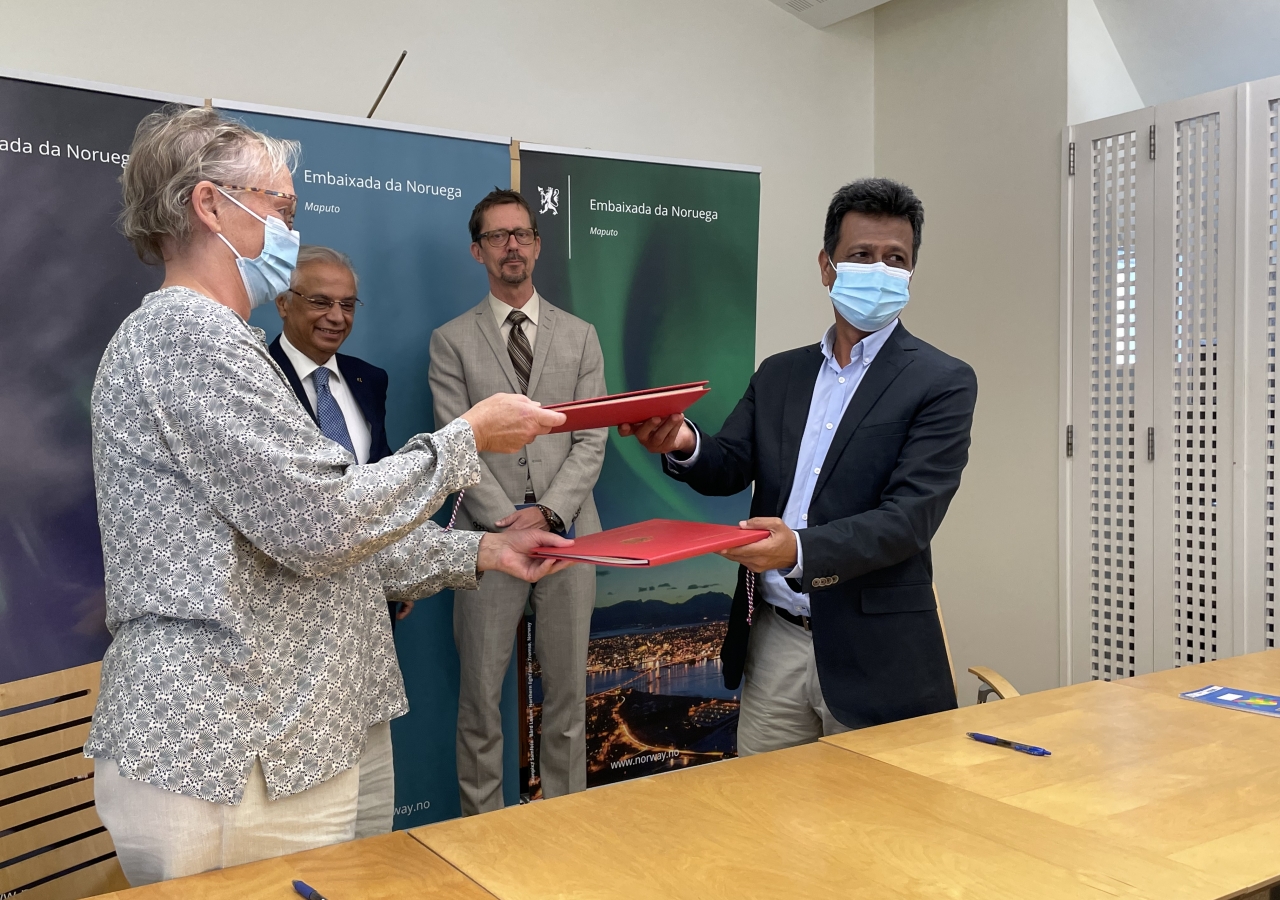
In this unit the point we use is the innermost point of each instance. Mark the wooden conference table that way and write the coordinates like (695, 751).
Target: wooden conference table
(390, 867)
(1146, 796)
(1133, 763)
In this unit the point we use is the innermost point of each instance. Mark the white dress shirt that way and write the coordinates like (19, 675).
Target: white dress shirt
(502, 310)
(834, 388)
(357, 425)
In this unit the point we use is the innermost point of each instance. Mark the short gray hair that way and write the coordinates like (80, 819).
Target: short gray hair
(314, 253)
(174, 149)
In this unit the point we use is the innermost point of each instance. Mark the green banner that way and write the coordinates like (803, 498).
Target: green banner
(661, 257)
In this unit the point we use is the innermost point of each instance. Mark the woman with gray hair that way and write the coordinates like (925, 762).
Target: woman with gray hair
(247, 556)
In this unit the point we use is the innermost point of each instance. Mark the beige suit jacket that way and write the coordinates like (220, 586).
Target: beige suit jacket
(470, 362)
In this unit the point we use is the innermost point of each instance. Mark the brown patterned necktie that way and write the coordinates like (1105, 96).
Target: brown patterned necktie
(519, 349)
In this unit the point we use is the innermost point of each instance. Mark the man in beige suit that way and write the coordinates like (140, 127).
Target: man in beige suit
(515, 341)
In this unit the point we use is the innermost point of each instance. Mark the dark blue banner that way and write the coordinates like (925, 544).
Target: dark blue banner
(67, 280)
(397, 202)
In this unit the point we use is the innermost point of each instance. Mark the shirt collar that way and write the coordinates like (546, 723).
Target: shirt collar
(864, 351)
(502, 310)
(303, 364)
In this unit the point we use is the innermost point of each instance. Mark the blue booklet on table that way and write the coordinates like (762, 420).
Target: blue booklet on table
(1233, 698)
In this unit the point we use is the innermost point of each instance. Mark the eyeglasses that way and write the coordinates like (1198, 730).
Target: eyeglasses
(324, 304)
(288, 212)
(499, 236)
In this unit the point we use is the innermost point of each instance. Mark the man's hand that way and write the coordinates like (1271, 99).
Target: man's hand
(530, 517)
(504, 423)
(509, 552)
(777, 551)
(406, 607)
(669, 435)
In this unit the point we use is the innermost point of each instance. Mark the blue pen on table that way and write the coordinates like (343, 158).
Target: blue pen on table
(1012, 745)
(307, 891)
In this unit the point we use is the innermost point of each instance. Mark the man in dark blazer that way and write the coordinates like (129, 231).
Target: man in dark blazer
(347, 398)
(855, 447)
(317, 313)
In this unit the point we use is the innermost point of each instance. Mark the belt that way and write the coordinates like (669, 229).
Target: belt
(802, 621)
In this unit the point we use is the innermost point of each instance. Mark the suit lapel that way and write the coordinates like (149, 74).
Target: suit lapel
(291, 375)
(888, 365)
(484, 319)
(795, 412)
(542, 344)
(359, 390)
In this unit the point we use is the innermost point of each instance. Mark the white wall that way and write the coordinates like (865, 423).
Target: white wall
(970, 105)
(725, 80)
(1098, 84)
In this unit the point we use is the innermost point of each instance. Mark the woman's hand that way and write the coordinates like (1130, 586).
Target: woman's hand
(504, 423)
(509, 552)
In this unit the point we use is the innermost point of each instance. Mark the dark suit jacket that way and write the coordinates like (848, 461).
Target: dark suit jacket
(892, 469)
(368, 385)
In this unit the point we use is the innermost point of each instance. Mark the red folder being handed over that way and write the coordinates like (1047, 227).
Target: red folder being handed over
(653, 543)
(629, 408)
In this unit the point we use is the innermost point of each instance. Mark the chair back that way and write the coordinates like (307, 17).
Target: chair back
(52, 844)
(946, 643)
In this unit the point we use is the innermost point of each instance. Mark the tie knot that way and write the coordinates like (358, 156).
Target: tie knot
(516, 317)
(321, 377)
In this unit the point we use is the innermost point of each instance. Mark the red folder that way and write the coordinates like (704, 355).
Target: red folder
(653, 543)
(629, 408)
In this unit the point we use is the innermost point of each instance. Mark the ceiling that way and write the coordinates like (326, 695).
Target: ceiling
(821, 13)
(1179, 48)
(1171, 48)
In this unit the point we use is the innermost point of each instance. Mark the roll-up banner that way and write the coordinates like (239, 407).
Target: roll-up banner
(396, 199)
(660, 255)
(67, 281)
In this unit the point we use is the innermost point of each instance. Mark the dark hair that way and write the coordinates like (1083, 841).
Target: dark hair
(874, 197)
(498, 197)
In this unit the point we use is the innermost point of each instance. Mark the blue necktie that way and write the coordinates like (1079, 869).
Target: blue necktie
(332, 424)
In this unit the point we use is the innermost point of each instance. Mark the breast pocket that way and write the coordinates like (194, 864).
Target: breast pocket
(556, 385)
(895, 428)
(898, 598)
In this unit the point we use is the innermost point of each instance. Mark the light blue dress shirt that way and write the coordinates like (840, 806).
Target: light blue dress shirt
(832, 392)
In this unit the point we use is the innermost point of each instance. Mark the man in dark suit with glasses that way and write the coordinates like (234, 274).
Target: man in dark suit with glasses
(347, 398)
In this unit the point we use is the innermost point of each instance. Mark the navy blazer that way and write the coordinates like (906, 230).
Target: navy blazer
(368, 385)
(892, 469)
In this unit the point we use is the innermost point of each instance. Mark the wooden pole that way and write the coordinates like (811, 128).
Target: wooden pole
(403, 54)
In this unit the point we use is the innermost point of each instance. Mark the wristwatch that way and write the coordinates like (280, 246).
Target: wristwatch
(554, 522)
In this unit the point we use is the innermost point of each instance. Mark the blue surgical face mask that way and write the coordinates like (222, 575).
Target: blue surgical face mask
(869, 295)
(266, 276)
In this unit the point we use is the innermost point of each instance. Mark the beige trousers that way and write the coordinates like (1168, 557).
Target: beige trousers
(485, 623)
(377, 802)
(160, 835)
(782, 704)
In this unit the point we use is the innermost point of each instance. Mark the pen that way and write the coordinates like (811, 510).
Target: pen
(307, 891)
(1012, 745)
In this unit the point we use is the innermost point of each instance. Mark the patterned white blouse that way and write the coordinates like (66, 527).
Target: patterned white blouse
(249, 560)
